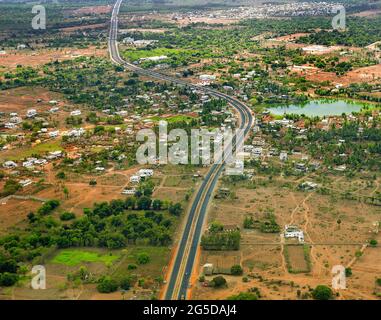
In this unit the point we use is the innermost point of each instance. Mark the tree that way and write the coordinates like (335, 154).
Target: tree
(322, 292)
(144, 203)
(130, 203)
(175, 209)
(66, 216)
(8, 279)
(373, 243)
(348, 272)
(126, 283)
(31, 217)
(10, 187)
(216, 227)
(61, 175)
(157, 204)
(244, 296)
(66, 192)
(93, 183)
(143, 258)
(107, 285)
(236, 270)
(219, 282)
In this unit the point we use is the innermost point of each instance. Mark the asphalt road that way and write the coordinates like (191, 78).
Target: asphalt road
(190, 239)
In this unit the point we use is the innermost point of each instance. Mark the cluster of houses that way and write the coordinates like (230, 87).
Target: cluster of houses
(138, 43)
(259, 11)
(30, 163)
(142, 173)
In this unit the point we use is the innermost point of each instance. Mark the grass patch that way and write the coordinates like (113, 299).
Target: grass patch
(174, 119)
(159, 257)
(75, 257)
(298, 261)
(39, 149)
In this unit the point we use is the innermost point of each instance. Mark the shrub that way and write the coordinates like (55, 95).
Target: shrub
(132, 266)
(8, 279)
(107, 285)
(61, 175)
(219, 282)
(373, 243)
(48, 207)
(126, 283)
(236, 270)
(143, 258)
(244, 296)
(66, 216)
(175, 209)
(322, 292)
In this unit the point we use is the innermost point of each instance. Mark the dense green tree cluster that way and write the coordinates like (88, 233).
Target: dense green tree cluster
(221, 240)
(112, 225)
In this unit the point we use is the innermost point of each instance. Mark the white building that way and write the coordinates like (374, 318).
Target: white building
(54, 134)
(135, 179)
(9, 125)
(283, 156)
(129, 192)
(9, 165)
(293, 232)
(25, 183)
(145, 172)
(154, 59)
(28, 164)
(207, 77)
(75, 113)
(31, 113)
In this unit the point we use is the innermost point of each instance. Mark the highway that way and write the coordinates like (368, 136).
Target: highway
(187, 249)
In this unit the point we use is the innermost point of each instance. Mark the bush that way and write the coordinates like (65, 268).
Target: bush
(126, 283)
(107, 285)
(66, 216)
(348, 272)
(143, 258)
(322, 292)
(8, 279)
(48, 207)
(132, 267)
(244, 296)
(61, 175)
(219, 282)
(373, 243)
(10, 187)
(175, 209)
(378, 281)
(236, 270)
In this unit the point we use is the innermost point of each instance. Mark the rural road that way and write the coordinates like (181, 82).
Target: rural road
(187, 248)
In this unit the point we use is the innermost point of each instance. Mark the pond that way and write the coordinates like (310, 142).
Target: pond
(319, 108)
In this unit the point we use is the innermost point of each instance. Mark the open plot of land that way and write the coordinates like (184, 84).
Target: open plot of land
(21, 99)
(37, 58)
(328, 243)
(98, 262)
(360, 75)
(13, 213)
(297, 258)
